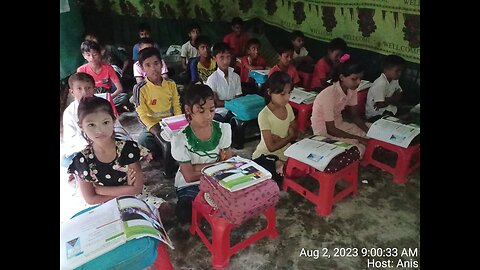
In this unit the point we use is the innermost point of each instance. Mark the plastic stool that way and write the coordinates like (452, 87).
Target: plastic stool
(163, 260)
(404, 156)
(361, 101)
(304, 111)
(326, 196)
(220, 246)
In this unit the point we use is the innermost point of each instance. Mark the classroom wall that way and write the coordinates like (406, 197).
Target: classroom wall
(71, 31)
(393, 26)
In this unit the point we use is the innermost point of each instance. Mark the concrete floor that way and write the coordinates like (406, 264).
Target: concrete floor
(384, 217)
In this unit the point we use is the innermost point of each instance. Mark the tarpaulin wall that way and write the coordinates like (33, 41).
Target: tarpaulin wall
(372, 28)
(71, 31)
(382, 26)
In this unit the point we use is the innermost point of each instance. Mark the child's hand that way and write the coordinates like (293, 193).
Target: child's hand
(131, 176)
(223, 155)
(363, 141)
(292, 132)
(275, 138)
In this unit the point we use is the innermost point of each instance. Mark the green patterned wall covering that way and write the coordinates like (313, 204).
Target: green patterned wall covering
(382, 26)
(71, 31)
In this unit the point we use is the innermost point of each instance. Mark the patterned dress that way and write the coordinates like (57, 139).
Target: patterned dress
(88, 168)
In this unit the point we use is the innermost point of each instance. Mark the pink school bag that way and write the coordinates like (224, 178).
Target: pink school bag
(244, 204)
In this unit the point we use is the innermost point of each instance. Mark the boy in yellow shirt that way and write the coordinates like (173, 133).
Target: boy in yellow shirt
(155, 98)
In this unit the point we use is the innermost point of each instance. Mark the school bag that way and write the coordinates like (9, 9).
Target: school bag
(241, 205)
(259, 77)
(247, 107)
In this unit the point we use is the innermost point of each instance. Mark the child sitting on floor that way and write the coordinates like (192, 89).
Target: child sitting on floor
(144, 31)
(277, 124)
(81, 85)
(253, 60)
(237, 39)
(108, 167)
(106, 79)
(224, 82)
(201, 67)
(385, 93)
(301, 58)
(322, 71)
(155, 98)
(199, 144)
(327, 110)
(189, 49)
(285, 63)
(138, 71)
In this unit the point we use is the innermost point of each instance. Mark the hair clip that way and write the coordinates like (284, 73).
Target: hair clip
(344, 58)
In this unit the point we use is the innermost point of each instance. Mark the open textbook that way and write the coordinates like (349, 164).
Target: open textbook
(299, 95)
(389, 129)
(172, 125)
(103, 228)
(316, 151)
(236, 173)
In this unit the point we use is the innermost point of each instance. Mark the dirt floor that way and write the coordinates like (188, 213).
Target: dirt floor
(383, 219)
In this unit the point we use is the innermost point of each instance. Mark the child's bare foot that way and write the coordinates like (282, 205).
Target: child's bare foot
(279, 167)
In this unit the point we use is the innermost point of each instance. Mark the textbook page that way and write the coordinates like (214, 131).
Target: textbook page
(91, 234)
(364, 85)
(299, 95)
(389, 129)
(316, 151)
(107, 226)
(140, 220)
(237, 173)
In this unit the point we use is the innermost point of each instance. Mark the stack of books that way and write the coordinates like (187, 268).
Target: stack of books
(172, 125)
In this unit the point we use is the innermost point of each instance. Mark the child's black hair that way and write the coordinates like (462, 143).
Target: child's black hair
(147, 53)
(202, 40)
(237, 20)
(80, 77)
(194, 26)
(393, 60)
(93, 104)
(221, 47)
(337, 44)
(284, 47)
(146, 40)
(144, 26)
(346, 69)
(89, 45)
(295, 34)
(253, 41)
(276, 83)
(196, 94)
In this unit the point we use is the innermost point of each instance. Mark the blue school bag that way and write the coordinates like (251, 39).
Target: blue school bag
(135, 254)
(259, 77)
(247, 107)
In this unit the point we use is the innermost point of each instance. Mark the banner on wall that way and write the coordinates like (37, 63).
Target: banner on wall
(382, 26)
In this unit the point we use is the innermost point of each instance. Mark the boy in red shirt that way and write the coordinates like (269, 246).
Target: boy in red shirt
(237, 39)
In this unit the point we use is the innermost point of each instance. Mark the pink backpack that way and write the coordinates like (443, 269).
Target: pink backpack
(244, 204)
